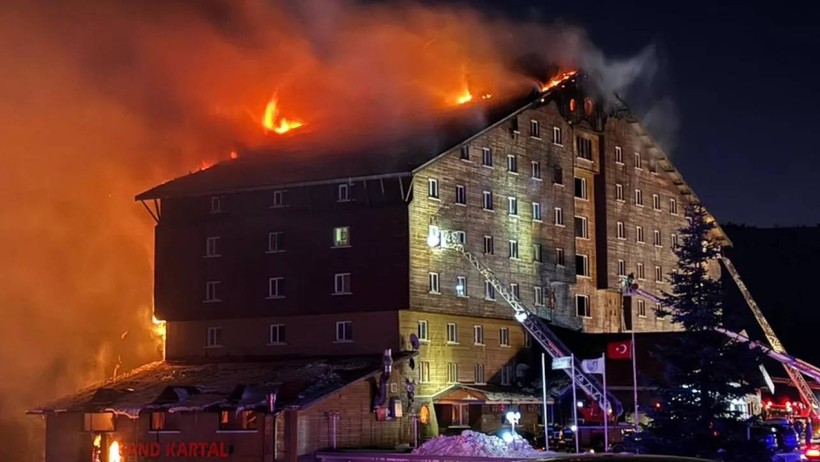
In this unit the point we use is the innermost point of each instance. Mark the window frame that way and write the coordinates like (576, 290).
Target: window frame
(423, 330)
(281, 335)
(340, 197)
(433, 188)
(434, 283)
(535, 129)
(452, 328)
(587, 308)
(337, 243)
(487, 157)
(619, 155)
(535, 170)
(584, 193)
(211, 247)
(278, 238)
(213, 337)
(277, 282)
(584, 267)
(337, 277)
(512, 164)
(557, 136)
(212, 291)
(346, 331)
(584, 221)
(478, 335)
(461, 195)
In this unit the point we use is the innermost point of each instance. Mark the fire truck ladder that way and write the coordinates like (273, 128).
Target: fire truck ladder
(794, 366)
(531, 322)
(797, 379)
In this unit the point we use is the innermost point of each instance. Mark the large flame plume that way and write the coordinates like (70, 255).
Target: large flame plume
(114, 454)
(274, 122)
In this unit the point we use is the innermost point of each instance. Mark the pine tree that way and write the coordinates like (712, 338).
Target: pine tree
(703, 370)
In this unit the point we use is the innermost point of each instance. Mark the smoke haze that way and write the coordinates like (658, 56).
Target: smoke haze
(102, 100)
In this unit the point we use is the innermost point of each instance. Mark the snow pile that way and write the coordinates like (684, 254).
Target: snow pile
(474, 444)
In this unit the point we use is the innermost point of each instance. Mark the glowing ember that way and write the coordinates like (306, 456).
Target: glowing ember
(557, 80)
(114, 452)
(159, 327)
(98, 440)
(273, 122)
(465, 97)
(234, 155)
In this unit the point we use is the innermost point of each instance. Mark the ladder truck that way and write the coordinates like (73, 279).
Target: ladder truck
(794, 367)
(534, 325)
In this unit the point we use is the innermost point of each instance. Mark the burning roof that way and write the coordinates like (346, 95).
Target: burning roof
(181, 387)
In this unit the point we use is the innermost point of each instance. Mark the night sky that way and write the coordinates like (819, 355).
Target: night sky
(744, 81)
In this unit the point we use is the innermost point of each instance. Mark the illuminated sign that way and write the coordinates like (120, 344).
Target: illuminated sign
(175, 449)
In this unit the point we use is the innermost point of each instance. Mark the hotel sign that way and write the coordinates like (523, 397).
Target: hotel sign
(182, 449)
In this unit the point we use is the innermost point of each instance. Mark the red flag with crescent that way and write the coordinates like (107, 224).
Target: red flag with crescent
(619, 350)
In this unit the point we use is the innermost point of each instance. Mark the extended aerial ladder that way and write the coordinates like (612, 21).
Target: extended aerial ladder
(537, 327)
(794, 366)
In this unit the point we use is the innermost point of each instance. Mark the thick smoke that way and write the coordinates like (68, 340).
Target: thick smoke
(101, 100)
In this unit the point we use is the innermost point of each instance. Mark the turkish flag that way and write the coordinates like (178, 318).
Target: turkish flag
(621, 349)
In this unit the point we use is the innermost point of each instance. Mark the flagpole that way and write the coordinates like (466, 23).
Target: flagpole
(574, 406)
(635, 380)
(544, 398)
(606, 407)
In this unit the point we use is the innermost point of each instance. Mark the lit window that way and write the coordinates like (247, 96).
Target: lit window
(276, 242)
(435, 286)
(216, 204)
(211, 249)
(478, 335)
(557, 136)
(276, 287)
(489, 245)
(452, 372)
(559, 216)
(279, 198)
(512, 164)
(538, 296)
(639, 234)
(589, 106)
(432, 188)
(512, 206)
(243, 420)
(559, 257)
(619, 155)
(639, 197)
(461, 195)
(461, 286)
(486, 157)
(343, 193)
(656, 202)
(276, 334)
(581, 227)
(535, 170)
(620, 230)
(638, 164)
(489, 291)
(479, 373)
(422, 331)
(582, 308)
(536, 211)
(158, 422)
(344, 331)
(341, 236)
(581, 265)
(488, 200)
(619, 192)
(558, 175)
(621, 268)
(535, 129)
(211, 294)
(341, 284)
(581, 188)
(513, 249)
(504, 336)
(465, 152)
(452, 333)
(213, 338)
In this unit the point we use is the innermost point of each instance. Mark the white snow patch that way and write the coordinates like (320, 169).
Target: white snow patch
(474, 444)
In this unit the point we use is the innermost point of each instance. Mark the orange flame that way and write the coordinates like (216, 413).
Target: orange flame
(273, 122)
(114, 452)
(557, 80)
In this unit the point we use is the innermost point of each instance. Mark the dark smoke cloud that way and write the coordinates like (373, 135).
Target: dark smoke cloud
(100, 100)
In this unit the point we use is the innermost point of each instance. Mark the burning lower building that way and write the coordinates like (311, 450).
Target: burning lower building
(269, 260)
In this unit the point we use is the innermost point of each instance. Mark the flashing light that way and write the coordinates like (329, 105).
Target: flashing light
(434, 237)
(580, 404)
(507, 437)
(513, 417)
(573, 428)
(520, 316)
(657, 405)
(813, 452)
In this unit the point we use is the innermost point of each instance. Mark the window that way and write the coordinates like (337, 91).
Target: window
(452, 333)
(535, 170)
(461, 286)
(581, 265)
(512, 164)
(211, 294)
(558, 175)
(619, 192)
(621, 268)
(211, 246)
(639, 197)
(341, 284)
(341, 236)
(276, 242)
(642, 308)
(237, 421)
(435, 287)
(559, 257)
(160, 422)
(619, 155)
(424, 371)
(479, 373)
(276, 334)
(638, 165)
(537, 253)
(658, 274)
(465, 152)
(99, 421)
(214, 337)
(641, 274)
(488, 200)
(673, 206)
(538, 296)
(422, 331)
(514, 124)
(620, 230)
(674, 240)
(279, 198)
(639, 234)
(504, 336)
(582, 308)
(486, 157)
(557, 136)
(513, 249)
(527, 340)
(559, 216)
(536, 211)
(583, 147)
(489, 245)
(512, 206)
(581, 188)
(452, 372)
(506, 374)
(489, 291)
(514, 290)
(478, 335)
(344, 331)
(656, 238)
(656, 202)
(535, 129)
(276, 287)
(343, 193)
(581, 227)
(216, 204)
(461, 195)
(432, 188)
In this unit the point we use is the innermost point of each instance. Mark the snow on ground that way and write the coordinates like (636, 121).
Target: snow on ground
(474, 444)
